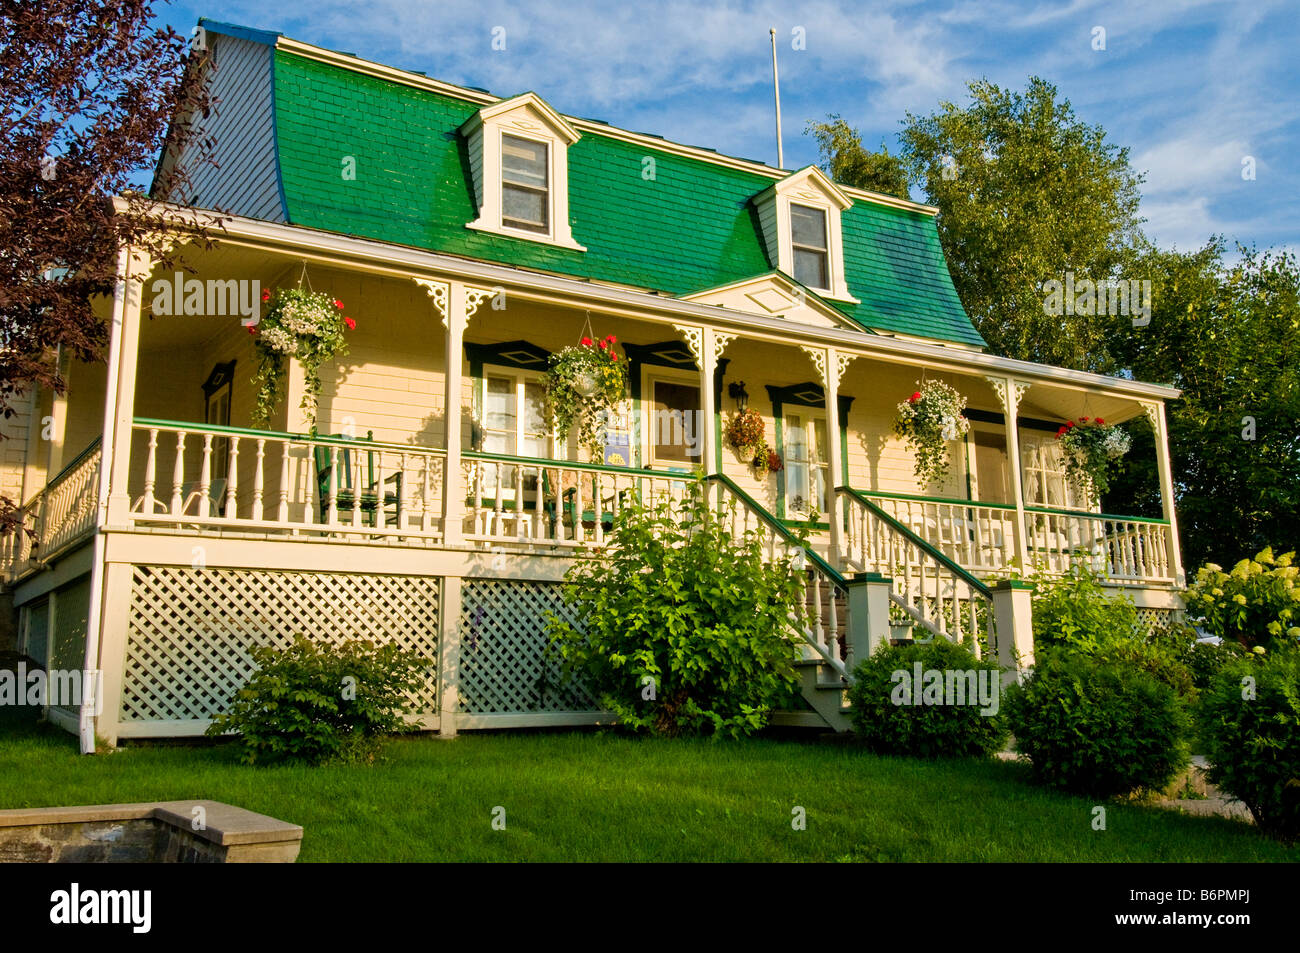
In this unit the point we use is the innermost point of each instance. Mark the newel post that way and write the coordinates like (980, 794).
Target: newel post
(1013, 614)
(868, 603)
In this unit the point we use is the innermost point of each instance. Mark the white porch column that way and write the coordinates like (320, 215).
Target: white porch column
(119, 408)
(1010, 391)
(707, 345)
(835, 366)
(1160, 424)
(58, 423)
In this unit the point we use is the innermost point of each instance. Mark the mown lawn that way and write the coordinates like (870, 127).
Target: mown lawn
(577, 796)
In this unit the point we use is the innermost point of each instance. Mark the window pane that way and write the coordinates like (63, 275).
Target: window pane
(499, 411)
(808, 226)
(523, 162)
(534, 400)
(810, 268)
(675, 432)
(819, 442)
(796, 440)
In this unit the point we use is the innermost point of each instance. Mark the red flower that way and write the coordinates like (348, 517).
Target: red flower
(266, 294)
(604, 345)
(1061, 433)
(1100, 422)
(613, 356)
(914, 398)
(611, 339)
(1083, 420)
(1069, 424)
(350, 323)
(585, 342)
(338, 304)
(252, 329)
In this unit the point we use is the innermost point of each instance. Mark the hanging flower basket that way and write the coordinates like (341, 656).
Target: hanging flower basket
(928, 421)
(307, 326)
(1091, 448)
(746, 435)
(584, 385)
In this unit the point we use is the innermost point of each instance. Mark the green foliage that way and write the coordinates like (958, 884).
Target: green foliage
(887, 723)
(319, 702)
(683, 627)
(1074, 613)
(847, 163)
(307, 326)
(583, 385)
(1096, 726)
(1257, 603)
(1228, 335)
(1250, 721)
(1091, 448)
(1026, 193)
(1206, 660)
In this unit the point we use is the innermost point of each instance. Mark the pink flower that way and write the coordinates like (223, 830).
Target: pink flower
(350, 323)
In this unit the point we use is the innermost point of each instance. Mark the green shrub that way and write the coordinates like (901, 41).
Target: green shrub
(1076, 614)
(1097, 727)
(682, 627)
(320, 702)
(885, 687)
(1257, 603)
(1206, 660)
(1252, 734)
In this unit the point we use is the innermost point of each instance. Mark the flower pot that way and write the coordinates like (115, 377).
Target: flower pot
(585, 383)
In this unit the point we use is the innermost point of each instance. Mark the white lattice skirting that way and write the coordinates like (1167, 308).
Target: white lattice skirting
(505, 667)
(190, 629)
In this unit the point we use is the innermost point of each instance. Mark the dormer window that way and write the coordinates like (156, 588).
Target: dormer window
(518, 152)
(525, 194)
(808, 239)
(800, 218)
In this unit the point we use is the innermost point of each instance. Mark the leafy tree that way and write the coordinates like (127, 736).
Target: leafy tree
(90, 93)
(1027, 192)
(846, 162)
(1228, 335)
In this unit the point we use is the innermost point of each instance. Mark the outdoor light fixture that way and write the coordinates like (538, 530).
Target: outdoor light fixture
(736, 390)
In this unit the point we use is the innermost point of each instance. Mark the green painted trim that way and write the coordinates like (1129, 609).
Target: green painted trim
(934, 553)
(865, 577)
(571, 465)
(323, 439)
(807, 524)
(79, 458)
(1085, 514)
(912, 498)
(1005, 585)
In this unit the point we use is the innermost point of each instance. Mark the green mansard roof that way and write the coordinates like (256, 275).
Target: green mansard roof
(692, 227)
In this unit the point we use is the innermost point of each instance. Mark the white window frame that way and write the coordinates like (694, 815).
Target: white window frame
(650, 374)
(546, 145)
(807, 415)
(826, 251)
(524, 117)
(521, 378)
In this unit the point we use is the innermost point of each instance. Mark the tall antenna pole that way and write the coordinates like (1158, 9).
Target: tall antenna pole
(776, 89)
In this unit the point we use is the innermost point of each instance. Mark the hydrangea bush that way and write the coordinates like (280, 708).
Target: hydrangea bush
(1256, 604)
(928, 421)
(307, 326)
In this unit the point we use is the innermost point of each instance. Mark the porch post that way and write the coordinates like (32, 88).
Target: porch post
(835, 365)
(449, 612)
(1013, 615)
(1009, 392)
(868, 605)
(122, 415)
(58, 423)
(711, 345)
(1159, 423)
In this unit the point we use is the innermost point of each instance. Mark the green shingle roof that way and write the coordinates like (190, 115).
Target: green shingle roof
(691, 228)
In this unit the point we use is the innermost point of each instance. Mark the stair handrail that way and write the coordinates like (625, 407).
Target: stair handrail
(792, 541)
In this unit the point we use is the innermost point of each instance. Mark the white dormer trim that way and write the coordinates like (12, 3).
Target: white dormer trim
(525, 117)
(775, 295)
(809, 187)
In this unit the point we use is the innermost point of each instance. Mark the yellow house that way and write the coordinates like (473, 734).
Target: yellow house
(481, 235)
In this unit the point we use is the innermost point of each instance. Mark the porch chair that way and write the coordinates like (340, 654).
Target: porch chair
(346, 495)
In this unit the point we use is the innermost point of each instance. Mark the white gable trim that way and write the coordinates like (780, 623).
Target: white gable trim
(775, 295)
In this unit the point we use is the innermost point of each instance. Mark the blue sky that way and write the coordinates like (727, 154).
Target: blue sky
(1193, 88)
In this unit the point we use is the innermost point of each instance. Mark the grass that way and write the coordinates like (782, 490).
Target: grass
(579, 796)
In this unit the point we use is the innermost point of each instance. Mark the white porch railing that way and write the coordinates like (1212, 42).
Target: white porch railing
(1128, 550)
(980, 537)
(824, 626)
(196, 475)
(930, 589)
(527, 501)
(62, 513)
